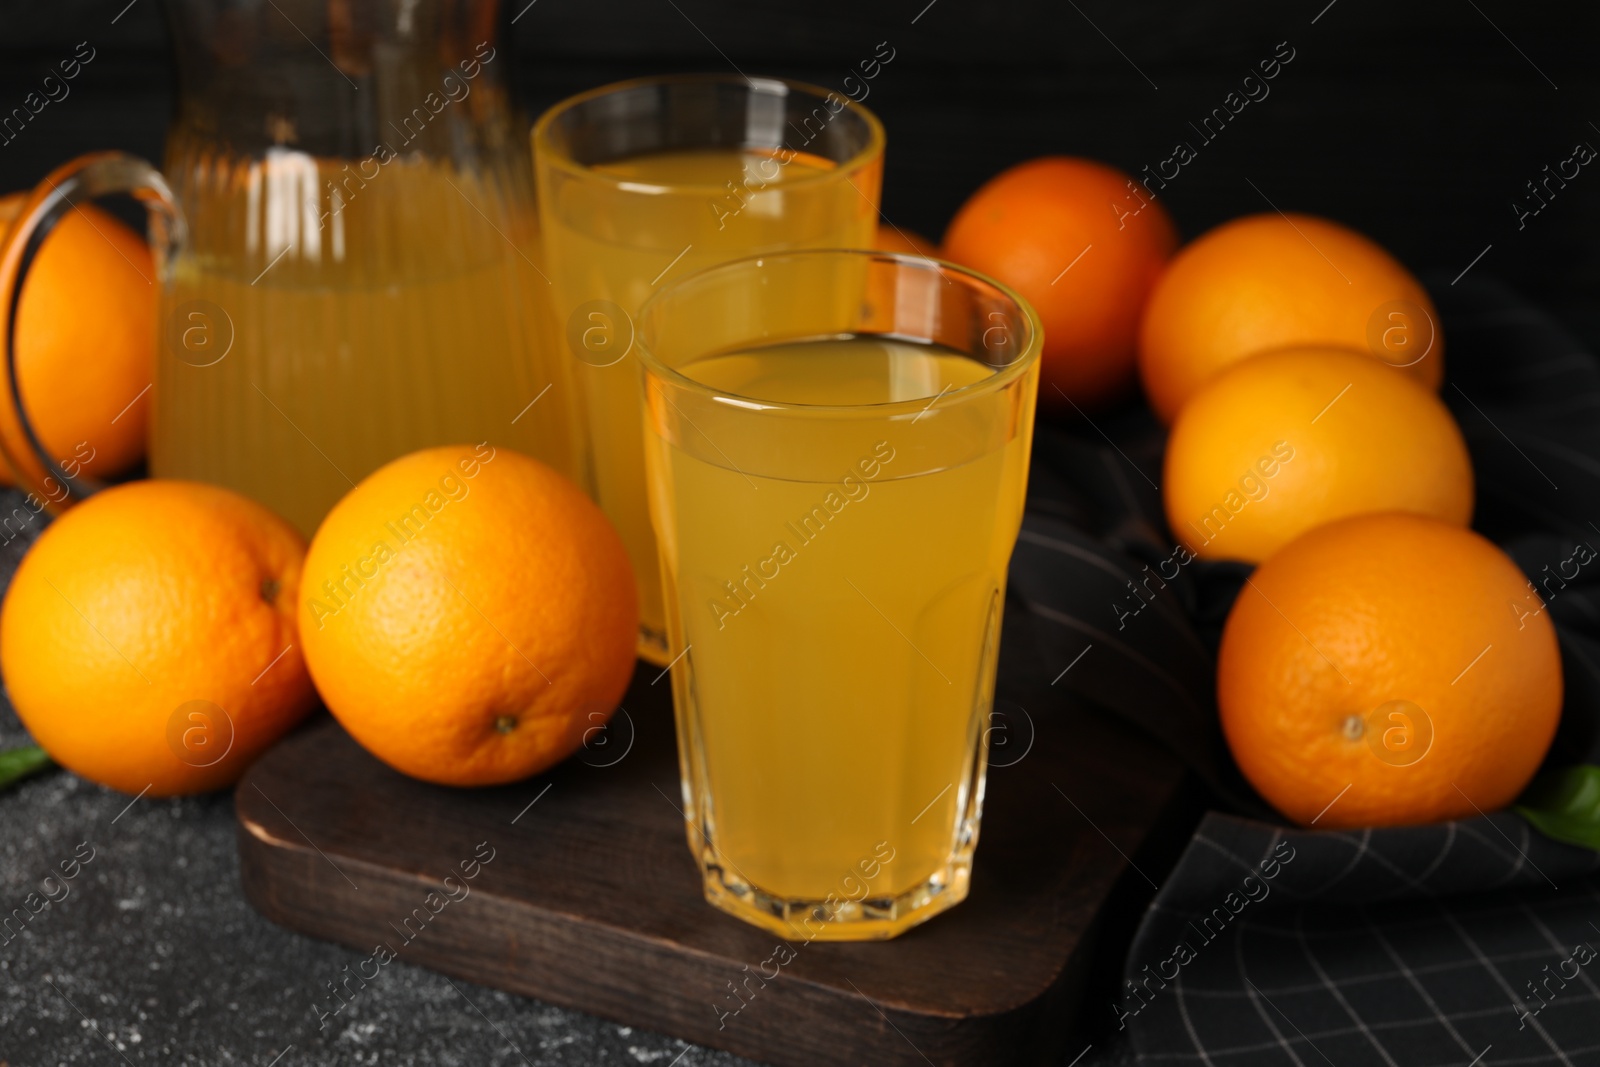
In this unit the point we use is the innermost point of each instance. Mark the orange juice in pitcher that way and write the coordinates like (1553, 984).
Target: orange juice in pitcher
(348, 249)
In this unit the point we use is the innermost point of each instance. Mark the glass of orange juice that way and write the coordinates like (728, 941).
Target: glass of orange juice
(837, 446)
(647, 181)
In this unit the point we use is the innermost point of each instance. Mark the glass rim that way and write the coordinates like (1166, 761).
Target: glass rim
(545, 149)
(1002, 376)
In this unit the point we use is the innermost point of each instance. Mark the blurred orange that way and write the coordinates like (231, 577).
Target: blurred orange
(1277, 281)
(148, 638)
(1282, 442)
(1083, 242)
(906, 242)
(86, 335)
(1386, 670)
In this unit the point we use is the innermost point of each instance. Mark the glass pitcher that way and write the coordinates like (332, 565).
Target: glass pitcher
(348, 250)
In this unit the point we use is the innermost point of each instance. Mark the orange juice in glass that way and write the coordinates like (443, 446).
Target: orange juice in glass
(837, 445)
(648, 181)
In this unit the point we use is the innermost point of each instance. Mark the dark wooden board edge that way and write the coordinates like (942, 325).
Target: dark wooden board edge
(513, 933)
(497, 940)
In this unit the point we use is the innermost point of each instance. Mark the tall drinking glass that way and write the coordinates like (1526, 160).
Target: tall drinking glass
(837, 445)
(647, 181)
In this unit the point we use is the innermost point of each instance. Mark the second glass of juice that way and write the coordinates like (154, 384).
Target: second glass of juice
(648, 181)
(838, 445)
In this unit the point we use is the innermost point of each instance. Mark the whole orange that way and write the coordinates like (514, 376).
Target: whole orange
(1083, 243)
(1278, 281)
(1282, 442)
(1385, 670)
(468, 615)
(148, 638)
(906, 242)
(86, 334)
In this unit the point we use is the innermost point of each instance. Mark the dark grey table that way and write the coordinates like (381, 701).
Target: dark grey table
(153, 956)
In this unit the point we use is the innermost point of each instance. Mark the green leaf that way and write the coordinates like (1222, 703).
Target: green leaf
(1565, 805)
(18, 763)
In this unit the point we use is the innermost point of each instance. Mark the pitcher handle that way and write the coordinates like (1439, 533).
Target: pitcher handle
(87, 177)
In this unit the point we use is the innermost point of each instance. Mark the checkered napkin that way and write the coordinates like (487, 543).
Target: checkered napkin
(1466, 942)
(1462, 943)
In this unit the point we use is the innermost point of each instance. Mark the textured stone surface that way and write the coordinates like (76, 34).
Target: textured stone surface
(154, 951)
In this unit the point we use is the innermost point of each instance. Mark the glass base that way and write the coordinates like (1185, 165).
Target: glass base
(868, 919)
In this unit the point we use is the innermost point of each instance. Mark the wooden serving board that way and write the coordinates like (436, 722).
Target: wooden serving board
(592, 901)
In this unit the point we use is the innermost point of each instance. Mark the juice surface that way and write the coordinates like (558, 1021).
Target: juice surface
(842, 629)
(751, 167)
(611, 240)
(836, 372)
(375, 318)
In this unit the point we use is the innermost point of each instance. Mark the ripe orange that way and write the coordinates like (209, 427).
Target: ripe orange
(1084, 243)
(1283, 442)
(468, 614)
(1397, 668)
(148, 638)
(1274, 281)
(907, 242)
(86, 334)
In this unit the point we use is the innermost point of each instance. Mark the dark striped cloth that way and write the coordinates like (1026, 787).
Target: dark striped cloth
(1472, 942)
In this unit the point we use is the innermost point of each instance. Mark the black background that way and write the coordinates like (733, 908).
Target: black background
(1416, 122)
